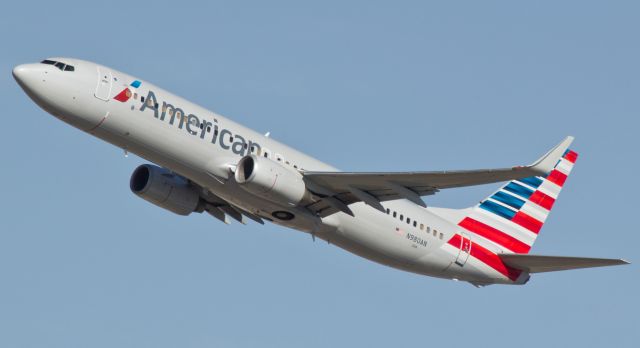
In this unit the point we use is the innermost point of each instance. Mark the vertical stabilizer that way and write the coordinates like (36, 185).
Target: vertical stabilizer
(512, 217)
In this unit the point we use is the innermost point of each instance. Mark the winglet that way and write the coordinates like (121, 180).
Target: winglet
(547, 162)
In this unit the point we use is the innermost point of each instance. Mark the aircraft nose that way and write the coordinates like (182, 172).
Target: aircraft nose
(27, 76)
(20, 72)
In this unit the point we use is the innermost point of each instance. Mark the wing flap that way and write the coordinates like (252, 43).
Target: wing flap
(542, 263)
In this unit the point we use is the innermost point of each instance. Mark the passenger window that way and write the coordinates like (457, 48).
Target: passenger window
(421, 227)
(435, 233)
(142, 100)
(296, 167)
(441, 235)
(231, 138)
(408, 221)
(266, 154)
(387, 211)
(401, 217)
(208, 128)
(415, 224)
(428, 229)
(394, 214)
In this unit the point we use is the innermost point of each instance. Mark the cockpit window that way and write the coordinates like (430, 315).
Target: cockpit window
(59, 65)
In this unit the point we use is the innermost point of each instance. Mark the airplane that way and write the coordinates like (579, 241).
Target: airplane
(204, 162)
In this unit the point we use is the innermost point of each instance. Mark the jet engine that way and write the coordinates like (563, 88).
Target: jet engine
(270, 180)
(165, 189)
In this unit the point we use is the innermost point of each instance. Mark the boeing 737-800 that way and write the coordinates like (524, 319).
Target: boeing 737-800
(207, 163)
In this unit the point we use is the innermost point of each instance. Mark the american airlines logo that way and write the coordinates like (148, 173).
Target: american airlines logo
(126, 93)
(197, 126)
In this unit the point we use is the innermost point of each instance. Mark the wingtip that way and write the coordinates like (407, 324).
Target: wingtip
(546, 163)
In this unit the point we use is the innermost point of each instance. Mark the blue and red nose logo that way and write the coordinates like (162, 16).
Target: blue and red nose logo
(125, 94)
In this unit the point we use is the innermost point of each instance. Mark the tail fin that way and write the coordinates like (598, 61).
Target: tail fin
(512, 217)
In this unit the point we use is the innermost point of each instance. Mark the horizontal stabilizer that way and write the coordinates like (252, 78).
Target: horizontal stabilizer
(540, 263)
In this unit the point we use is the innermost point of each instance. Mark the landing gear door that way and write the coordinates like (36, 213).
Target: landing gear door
(465, 249)
(105, 80)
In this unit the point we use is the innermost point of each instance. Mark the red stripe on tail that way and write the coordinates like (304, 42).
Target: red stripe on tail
(527, 222)
(495, 235)
(542, 200)
(557, 177)
(571, 156)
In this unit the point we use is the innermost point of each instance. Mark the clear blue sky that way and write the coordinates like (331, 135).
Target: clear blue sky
(361, 85)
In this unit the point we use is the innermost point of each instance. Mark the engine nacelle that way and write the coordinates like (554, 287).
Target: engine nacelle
(164, 189)
(270, 180)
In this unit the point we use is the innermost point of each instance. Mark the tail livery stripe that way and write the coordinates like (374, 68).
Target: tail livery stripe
(527, 222)
(518, 189)
(535, 211)
(571, 156)
(564, 166)
(557, 177)
(494, 235)
(487, 257)
(508, 199)
(498, 209)
(533, 181)
(541, 199)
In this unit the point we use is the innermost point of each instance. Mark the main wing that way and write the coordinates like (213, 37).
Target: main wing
(339, 189)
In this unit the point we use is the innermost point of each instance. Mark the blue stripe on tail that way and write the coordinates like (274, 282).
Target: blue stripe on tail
(508, 199)
(532, 181)
(519, 190)
(498, 209)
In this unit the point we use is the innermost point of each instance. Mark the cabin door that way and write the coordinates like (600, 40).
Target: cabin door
(465, 249)
(105, 81)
